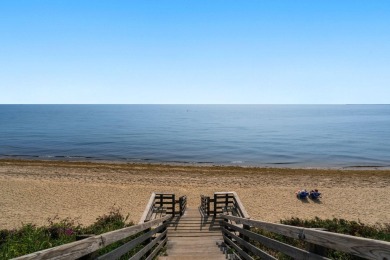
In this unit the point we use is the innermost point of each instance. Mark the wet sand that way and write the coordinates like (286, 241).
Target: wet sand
(32, 191)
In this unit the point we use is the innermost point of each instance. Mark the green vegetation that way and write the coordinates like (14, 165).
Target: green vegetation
(30, 238)
(378, 231)
(353, 228)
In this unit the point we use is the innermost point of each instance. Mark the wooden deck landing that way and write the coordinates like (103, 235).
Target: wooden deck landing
(193, 236)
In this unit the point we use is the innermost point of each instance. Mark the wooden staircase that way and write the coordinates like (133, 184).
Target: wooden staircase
(194, 236)
(192, 233)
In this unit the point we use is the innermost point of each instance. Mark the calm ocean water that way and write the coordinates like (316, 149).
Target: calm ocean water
(261, 135)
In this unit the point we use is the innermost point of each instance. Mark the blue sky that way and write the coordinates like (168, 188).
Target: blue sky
(195, 52)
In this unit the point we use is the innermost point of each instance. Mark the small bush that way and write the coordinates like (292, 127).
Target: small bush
(31, 238)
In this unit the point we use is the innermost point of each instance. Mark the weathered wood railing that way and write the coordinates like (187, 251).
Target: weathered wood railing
(182, 205)
(236, 229)
(223, 202)
(161, 204)
(152, 235)
(243, 241)
(205, 204)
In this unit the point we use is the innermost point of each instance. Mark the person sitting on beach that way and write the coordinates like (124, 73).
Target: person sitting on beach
(302, 194)
(314, 194)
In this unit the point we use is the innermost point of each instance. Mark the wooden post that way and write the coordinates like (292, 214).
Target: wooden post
(180, 205)
(226, 201)
(215, 205)
(173, 205)
(208, 205)
(245, 238)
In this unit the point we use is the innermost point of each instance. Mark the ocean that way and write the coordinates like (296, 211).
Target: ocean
(339, 136)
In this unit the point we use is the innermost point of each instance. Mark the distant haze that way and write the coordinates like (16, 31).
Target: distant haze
(195, 52)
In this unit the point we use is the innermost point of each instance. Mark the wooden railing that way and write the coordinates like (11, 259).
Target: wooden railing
(182, 205)
(223, 202)
(161, 204)
(246, 244)
(237, 235)
(151, 233)
(205, 204)
(151, 239)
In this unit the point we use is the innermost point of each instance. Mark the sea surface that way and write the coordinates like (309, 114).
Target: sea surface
(255, 135)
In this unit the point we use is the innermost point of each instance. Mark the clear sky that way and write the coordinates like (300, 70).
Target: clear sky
(195, 52)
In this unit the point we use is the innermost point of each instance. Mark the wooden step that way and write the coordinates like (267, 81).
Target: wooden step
(193, 236)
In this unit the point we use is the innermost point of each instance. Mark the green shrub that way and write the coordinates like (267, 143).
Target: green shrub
(31, 238)
(353, 228)
(377, 231)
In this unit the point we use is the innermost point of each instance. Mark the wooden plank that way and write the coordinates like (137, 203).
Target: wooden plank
(294, 252)
(223, 192)
(362, 247)
(157, 249)
(86, 246)
(165, 203)
(223, 202)
(149, 246)
(148, 208)
(233, 253)
(118, 252)
(249, 246)
(244, 213)
(237, 248)
(117, 235)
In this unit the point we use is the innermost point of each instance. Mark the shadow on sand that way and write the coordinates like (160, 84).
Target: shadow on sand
(303, 200)
(318, 201)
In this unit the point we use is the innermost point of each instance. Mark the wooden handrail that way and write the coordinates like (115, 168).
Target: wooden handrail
(182, 204)
(223, 200)
(287, 249)
(89, 245)
(148, 208)
(241, 207)
(362, 247)
(163, 203)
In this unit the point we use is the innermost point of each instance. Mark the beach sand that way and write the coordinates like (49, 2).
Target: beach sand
(32, 191)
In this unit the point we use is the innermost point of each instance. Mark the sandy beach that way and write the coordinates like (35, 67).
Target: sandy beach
(32, 191)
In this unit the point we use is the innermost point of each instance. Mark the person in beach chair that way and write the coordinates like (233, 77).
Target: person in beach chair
(315, 194)
(302, 194)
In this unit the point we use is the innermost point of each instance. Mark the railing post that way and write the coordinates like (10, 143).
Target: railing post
(226, 200)
(215, 205)
(208, 205)
(245, 238)
(173, 205)
(180, 205)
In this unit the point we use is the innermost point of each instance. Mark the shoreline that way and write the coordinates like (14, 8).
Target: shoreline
(195, 164)
(34, 190)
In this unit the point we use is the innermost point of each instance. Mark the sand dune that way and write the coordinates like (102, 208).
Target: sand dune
(32, 191)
